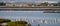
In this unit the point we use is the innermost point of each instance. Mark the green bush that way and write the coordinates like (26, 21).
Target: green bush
(4, 20)
(17, 23)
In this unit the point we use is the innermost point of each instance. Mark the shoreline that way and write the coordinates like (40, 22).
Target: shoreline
(29, 6)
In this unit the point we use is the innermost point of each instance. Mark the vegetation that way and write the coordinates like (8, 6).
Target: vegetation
(4, 20)
(17, 23)
(45, 4)
(29, 24)
(58, 4)
(2, 4)
(51, 11)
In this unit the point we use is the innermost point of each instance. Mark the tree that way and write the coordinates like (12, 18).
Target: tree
(44, 4)
(58, 4)
(55, 4)
(2, 4)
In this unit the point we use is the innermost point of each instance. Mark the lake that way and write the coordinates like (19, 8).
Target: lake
(33, 16)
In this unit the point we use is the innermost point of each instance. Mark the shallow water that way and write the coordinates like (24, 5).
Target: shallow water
(32, 17)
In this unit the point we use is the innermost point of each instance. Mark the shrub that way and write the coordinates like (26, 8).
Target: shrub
(17, 23)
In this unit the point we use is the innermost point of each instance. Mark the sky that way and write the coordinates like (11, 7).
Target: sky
(29, 0)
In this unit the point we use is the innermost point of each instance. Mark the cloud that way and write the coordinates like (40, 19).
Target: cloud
(29, 0)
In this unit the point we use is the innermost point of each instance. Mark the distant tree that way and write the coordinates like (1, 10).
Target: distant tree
(2, 4)
(58, 4)
(44, 4)
(31, 4)
(55, 4)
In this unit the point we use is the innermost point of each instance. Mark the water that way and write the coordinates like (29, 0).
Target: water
(32, 17)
